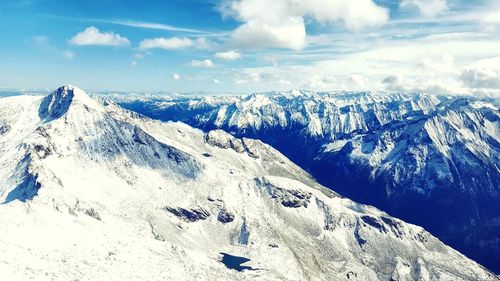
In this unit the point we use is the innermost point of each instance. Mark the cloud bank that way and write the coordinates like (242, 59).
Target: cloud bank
(282, 23)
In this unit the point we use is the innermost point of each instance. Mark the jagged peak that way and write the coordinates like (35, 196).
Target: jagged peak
(59, 101)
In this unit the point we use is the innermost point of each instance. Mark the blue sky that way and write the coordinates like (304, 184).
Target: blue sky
(252, 45)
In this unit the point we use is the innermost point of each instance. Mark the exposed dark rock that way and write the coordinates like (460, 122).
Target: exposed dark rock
(190, 215)
(351, 275)
(234, 262)
(295, 198)
(42, 151)
(289, 198)
(396, 227)
(93, 213)
(225, 216)
(4, 128)
(375, 223)
(139, 136)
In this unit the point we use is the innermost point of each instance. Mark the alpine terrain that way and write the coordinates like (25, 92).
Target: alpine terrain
(91, 191)
(432, 160)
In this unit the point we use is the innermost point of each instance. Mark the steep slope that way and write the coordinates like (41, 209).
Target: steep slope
(91, 191)
(419, 157)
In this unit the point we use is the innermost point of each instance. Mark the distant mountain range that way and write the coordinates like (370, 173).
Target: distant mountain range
(91, 191)
(428, 159)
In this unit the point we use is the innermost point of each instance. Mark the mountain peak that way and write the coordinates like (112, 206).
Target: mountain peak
(58, 102)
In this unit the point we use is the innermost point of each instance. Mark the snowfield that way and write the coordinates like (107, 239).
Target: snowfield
(91, 191)
(432, 160)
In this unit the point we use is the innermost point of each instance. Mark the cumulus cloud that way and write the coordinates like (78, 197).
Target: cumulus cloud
(428, 8)
(202, 63)
(393, 83)
(281, 23)
(176, 76)
(229, 55)
(481, 78)
(483, 74)
(92, 36)
(216, 81)
(174, 43)
(254, 34)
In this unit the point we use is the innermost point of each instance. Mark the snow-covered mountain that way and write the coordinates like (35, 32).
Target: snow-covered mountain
(94, 192)
(430, 160)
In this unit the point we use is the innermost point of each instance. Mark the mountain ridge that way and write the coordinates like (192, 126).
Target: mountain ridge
(102, 197)
(399, 152)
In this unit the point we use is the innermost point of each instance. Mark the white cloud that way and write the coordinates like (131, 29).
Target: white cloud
(357, 80)
(229, 55)
(151, 25)
(255, 34)
(166, 43)
(92, 36)
(175, 43)
(492, 18)
(484, 74)
(203, 43)
(281, 23)
(444, 64)
(424, 64)
(202, 63)
(133, 63)
(176, 76)
(428, 8)
(217, 81)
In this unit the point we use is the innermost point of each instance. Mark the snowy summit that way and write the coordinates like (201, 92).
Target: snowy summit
(91, 191)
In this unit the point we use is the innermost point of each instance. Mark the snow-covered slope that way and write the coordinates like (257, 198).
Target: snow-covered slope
(93, 192)
(419, 157)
